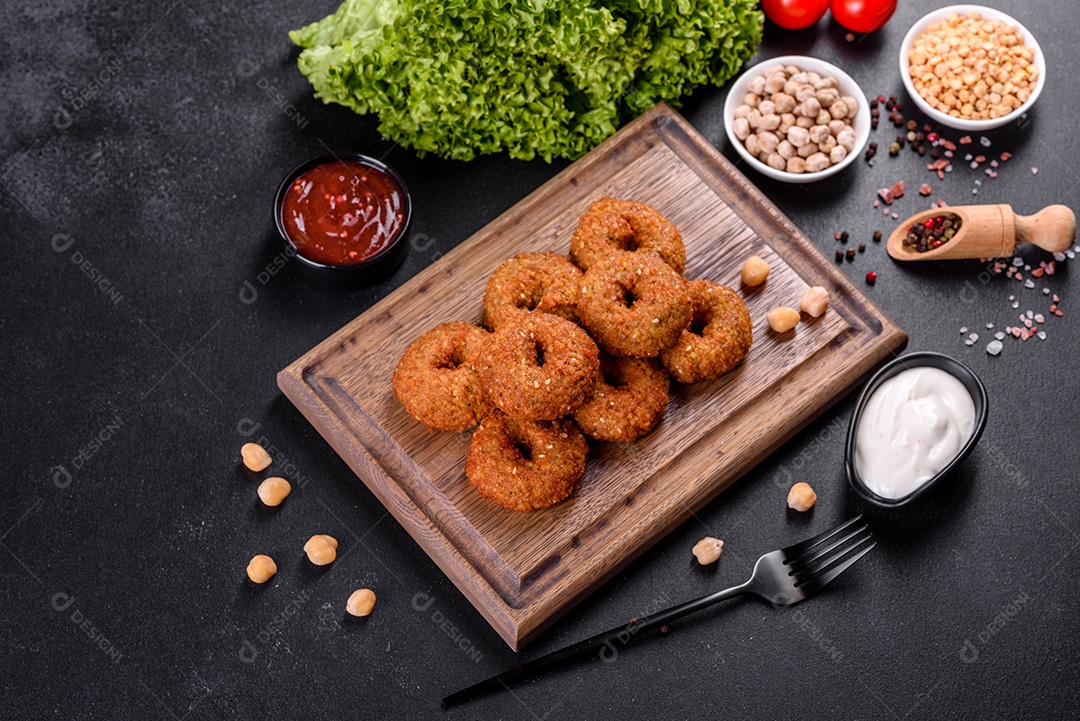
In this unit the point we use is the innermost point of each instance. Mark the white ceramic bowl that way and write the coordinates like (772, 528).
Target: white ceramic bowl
(959, 123)
(861, 122)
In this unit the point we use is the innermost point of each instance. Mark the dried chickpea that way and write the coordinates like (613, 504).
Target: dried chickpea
(790, 116)
(321, 549)
(782, 319)
(261, 569)
(273, 490)
(754, 271)
(801, 497)
(815, 301)
(255, 456)
(817, 162)
(708, 550)
(361, 602)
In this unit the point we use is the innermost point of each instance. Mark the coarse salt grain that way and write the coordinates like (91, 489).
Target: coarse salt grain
(994, 347)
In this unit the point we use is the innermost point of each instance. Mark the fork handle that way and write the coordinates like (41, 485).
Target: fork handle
(605, 645)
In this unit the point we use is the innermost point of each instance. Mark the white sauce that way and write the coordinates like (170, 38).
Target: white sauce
(914, 424)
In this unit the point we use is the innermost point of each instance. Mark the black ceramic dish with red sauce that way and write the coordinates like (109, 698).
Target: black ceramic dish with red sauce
(344, 216)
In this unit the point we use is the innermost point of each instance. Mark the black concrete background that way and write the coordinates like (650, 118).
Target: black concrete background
(126, 400)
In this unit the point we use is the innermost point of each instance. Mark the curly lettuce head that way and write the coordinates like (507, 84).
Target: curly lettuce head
(548, 77)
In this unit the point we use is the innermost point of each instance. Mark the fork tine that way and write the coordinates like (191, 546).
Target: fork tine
(819, 557)
(799, 549)
(816, 583)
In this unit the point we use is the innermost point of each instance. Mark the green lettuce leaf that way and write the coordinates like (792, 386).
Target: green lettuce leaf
(548, 78)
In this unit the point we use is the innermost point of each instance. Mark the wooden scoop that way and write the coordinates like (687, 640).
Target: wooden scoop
(990, 231)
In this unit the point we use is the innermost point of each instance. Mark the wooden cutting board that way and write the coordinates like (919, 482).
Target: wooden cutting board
(523, 570)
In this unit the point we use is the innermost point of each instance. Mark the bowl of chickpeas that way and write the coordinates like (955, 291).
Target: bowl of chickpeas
(971, 67)
(797, 119)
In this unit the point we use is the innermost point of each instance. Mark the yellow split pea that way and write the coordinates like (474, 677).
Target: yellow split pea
(973, 68)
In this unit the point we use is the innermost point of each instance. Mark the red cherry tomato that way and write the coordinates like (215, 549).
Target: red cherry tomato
(795, 14)
(863, 16)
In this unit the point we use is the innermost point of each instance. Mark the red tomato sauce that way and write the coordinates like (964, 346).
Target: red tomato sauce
(343, 212)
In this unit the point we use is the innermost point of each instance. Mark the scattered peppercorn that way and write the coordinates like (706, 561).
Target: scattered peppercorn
(851, 254)
(839, 256)
(862, 247)
(894, 149)
(877, 236)
(844, 236)
(871, 277)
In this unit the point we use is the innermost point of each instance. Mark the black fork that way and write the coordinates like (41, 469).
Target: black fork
(782, 577)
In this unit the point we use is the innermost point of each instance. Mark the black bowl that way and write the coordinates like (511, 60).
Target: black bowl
(916, 360)
(369, 270)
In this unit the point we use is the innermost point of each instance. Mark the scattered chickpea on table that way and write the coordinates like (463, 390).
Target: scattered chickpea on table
(361, 602)
(801, 497)
(255, 457)
(755, 270)
(273, 490)
(708, 550)
(815, 301)
(321, 549)
(783, 319)
(261, 568)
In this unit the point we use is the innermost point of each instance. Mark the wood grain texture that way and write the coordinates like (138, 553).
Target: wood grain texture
(522, 570)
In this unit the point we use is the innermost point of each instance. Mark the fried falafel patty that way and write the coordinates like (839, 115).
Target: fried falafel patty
(634, 304)
(525, 465)
(629, 399)
(539, 367)
(718, 339)
(543, 282)
(610, 226)
(436, 379)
